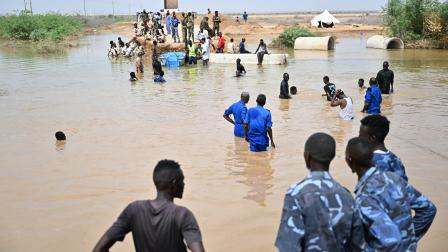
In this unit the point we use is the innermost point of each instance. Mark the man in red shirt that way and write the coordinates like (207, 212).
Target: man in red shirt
(221, 43)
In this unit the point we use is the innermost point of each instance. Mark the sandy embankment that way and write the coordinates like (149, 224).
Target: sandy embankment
(269, 26)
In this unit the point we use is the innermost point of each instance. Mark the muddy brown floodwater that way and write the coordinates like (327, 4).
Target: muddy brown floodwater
(62, 197)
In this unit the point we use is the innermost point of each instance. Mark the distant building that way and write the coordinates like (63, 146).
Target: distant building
(171, 4)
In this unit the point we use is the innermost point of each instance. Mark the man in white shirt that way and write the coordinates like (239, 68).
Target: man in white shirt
(205, 51)
(231, 46)
(345, 103)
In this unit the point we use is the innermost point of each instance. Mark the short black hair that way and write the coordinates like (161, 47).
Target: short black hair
(59, 136)
(372, 81)
(321, 147)
(165, 171)
(377, 125)
(261, 99)
(293, 90)
(361, 151)
(361, 80)
(132, 74)
(326, 78)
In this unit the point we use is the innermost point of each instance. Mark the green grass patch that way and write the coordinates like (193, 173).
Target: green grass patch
(25, 26)
(289, 35)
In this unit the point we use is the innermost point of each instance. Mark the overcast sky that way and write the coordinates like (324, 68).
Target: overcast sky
(131, 6)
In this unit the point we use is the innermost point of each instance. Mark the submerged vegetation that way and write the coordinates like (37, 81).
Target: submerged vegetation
(414, 20)
(52, 27)
(289, 35)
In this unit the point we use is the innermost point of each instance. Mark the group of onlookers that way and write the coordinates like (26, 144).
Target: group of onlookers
(129, 49)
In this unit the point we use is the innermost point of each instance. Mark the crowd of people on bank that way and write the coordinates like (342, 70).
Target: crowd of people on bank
(386, 213)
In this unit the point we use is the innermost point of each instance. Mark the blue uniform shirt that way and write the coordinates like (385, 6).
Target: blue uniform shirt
(319, 215)
(387, 161)
(239, 111)
(159, 78)
(258, 120)
(384, 201)
(373, 98)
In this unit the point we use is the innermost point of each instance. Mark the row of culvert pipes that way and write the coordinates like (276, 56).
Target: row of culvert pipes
(328, 42)
(304, 43)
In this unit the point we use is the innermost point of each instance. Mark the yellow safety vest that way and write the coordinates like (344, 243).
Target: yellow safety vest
(192, 51)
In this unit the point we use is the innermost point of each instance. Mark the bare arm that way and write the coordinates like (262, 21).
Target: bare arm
(271, 137)
(246, 130)
(392, 83)
(335, 102)
(104, 244)
(366, 106)
(257, 49)
(196, 247)
(230, 120)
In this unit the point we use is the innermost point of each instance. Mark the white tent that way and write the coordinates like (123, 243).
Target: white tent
(324, 17)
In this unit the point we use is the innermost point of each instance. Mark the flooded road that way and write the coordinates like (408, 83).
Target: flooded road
(63, 197)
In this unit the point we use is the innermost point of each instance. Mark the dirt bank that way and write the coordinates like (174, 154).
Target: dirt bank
(269, 26)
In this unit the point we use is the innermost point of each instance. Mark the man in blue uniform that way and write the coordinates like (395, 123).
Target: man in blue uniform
(238, 110)
(385, 202)
(375, 128)
(372, 99)
(319, 213)
(257, 126)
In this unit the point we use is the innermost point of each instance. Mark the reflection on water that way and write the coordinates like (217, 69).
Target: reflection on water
(118, 130)
(60, 145)
(252, 169)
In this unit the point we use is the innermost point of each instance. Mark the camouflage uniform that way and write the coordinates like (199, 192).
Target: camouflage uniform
(190, 28)
(204, 26)
(385, 201)
(387, 161)
(319, 215)
(216, 22)
(184, 30)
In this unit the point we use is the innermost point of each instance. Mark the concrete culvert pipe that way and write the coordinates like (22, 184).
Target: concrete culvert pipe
(314, 43)
(381, 42)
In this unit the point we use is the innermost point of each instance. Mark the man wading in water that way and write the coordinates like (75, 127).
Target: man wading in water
(239, 111)
(284, 87)
(159, 224)
(257, 126)
(385, 79)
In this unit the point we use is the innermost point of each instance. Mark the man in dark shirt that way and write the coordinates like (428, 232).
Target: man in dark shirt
(284, 87)
(385, 79)
(329, 88)
(240, 70)
(159, 224)
(243, 46)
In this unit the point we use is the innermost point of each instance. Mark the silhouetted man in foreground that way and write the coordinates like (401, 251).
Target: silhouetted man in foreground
(159, 224)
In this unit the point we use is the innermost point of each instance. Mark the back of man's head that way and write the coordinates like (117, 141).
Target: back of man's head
(165, 172)
(359, 152)
(321, 147)
(261, 99)
(60, 136)
(374, 127)
(372, 81)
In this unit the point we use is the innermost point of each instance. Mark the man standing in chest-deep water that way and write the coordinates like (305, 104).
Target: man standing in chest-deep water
(284, 87)
(329, 88)
(239, 111)
(385, 79)
(159, 224)
(372, 99)
(257, 126)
